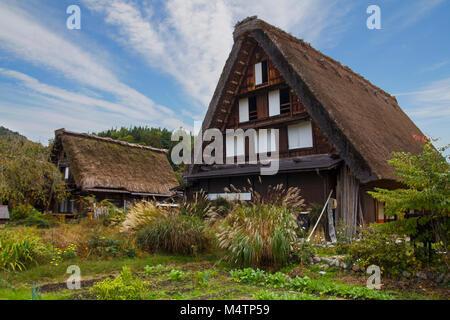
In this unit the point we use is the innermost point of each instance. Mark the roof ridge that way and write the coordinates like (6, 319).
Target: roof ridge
(63, 131)
(254, 23)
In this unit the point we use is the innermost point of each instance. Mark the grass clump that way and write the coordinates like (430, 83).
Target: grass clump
(174, 233)
(258, 234)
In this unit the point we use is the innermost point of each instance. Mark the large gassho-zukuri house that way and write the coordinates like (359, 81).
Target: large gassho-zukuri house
(336, 129)
(119, 171)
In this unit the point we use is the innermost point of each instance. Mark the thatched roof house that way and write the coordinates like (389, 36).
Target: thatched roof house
(341, 127)
(99, 165)
(364, 123)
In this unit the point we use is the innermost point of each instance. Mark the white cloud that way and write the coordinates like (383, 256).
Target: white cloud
(33, 42)
(193, 39)
(429, 107)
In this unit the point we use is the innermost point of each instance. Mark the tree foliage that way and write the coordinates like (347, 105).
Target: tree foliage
(426, 177)
(26, 175)
(427, 191)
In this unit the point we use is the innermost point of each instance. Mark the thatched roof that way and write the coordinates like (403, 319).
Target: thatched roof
(105, 164)
(364, 123)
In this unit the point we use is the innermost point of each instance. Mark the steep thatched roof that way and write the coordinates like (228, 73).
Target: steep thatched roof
(363, 123)
(104, 163)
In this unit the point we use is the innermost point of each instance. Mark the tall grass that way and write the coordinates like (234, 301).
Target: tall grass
(141, 214)
(174, 233)
(258, 234)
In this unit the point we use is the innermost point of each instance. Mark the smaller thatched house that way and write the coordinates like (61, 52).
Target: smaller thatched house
(4, 214)
(110, 169)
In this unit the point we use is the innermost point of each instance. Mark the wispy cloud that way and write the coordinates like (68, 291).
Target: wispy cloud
(414, 11)
(192, 40)
(429, 107)
(33, 42)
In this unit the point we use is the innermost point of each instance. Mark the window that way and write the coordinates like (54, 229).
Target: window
(66, 173)
(380, 212)
(243, 110)
(285, 101)
(243, 196)
(266, 141)
(261, 76)
(252, 110)
(274, 103)
(300, 135)
(235, 145)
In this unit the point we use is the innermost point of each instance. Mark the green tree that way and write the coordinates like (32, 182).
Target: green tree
(26, 175)
(425, 178)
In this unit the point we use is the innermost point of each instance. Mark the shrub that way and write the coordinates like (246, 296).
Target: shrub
(386, 250)
(174, 233)
(19, 250)
(102, 246)
(29, 216)
(258, 234)
(123, 287)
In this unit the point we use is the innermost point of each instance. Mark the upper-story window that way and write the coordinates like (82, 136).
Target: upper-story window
(247, 109)
(252, 110)
(279, 102)
(243, 110)
(66, 173)
(235, 145)
(261, 75)
(265, 141)
(285, 101)
(300, 135)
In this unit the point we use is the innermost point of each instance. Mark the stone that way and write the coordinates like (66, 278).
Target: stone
(421, 275)
(322, 272)
(324, 267)
(316, 259)
(406, 274)
(355, 268)
(344, 265)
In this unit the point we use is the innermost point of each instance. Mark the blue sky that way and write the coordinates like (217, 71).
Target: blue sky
(157, 63)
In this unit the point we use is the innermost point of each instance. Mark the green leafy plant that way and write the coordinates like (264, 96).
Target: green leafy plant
(123, 287)
(176, 275)
(249, 275)
(270, 295)
(150, 270)
(277, 280)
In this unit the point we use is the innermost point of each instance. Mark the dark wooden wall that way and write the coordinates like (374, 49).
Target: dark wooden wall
(281, 122)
